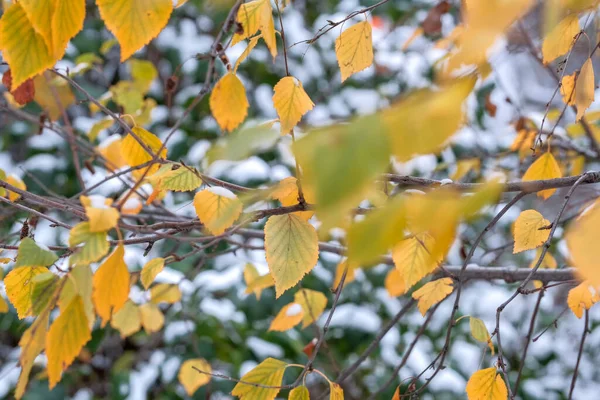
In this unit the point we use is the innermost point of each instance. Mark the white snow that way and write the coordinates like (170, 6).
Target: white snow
(293, 310)
(221, 191)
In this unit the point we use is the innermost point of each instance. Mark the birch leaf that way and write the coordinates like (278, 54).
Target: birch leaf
(486, 384)
(228, 102)
(544, 167)
(291, 102)
(111, 285)
(292, 248)
(585, 88)
(134, 22)
(560, 39)
(190, 378)
(267, 373)
(354, 49)
(582, 297)
(150, 270)
(217, 208)
(432, 293)
(531, 230)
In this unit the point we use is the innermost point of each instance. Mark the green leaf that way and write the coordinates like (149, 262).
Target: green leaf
(32, 255)
(94, 244)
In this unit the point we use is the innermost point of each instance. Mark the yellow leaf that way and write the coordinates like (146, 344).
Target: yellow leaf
(582, 241)
(190, 378)
(16, 182)
(251, 45)
(286, 192)
(255, 15)
(150, 270)
(567, 89)
(480, 332)
(181, 179)
(165, 293)
(581, 297)
(19, 42)
(354, 49)
(143, 73)
(256, 283)
(292, 248)
(432, 293)
(426, 119)
(463, 167)
(394, 283)
(585, 87)
(111, 285)
(291, 102)
(299, 393)
(267, 373)
(524, 142)
(561, 38)
(217, 208)
(413, 258)
(101, 215)
(3, 305)
(79, 283)
(134, 154)
(531, 230)
(228, 102)
(134, 22)
(288, 317)
(545, 167)
(95, 244)
(336, 391)
(152, 318)
(19, 286)
(339, 272)
(396, 394)
(127, 320)
(313, 304)
(31, 343)
(486, 384)
(66, 337)
(111, 151)
(44, 292)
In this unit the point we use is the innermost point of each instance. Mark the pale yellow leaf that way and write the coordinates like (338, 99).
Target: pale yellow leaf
(217, 208)
(31, 254)
(127, 320)
(150, 270)
(79, 283)
(432, 293)
(256, 283)
(288, 317)
(111, 285)
(394, 283)
(313, 304)
(585, 88)
(66, 337)
(267, 373)
(165, 293)
(101, 215)
(19, 41)
(19, 286)
(292, 248)
(480, 332)
(94, 245)
(486, 384)
(228, 102)
(544, 167)
(190, 378)
(299, 393)
(567, 89)
(286, 192)
(181, 179)
(134, 22)
(413, 258)
(152, 318)
(251, 45)
(581, 297)
(291, 102)
(560, 39)
(531, 230)
(354, 49)
(582, 241)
